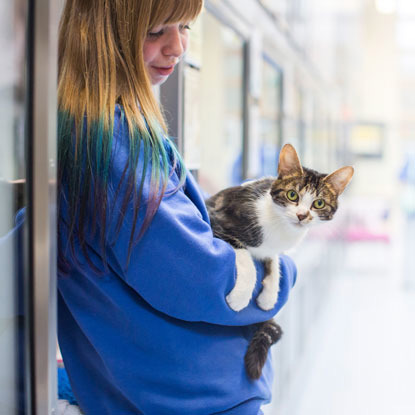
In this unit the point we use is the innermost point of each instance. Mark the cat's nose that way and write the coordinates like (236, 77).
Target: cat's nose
(301, 216)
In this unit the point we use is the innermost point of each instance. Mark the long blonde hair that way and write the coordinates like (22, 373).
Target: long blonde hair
(101, 65)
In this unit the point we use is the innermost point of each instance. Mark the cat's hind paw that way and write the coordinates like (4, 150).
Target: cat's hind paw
(266, 300)
(268, 297)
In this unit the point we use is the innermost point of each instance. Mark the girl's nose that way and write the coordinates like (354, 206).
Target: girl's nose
(175, 44)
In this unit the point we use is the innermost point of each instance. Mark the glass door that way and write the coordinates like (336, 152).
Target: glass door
(13, 195)
(28, 68)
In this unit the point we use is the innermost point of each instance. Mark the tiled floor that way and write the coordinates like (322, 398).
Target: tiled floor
(362, 354)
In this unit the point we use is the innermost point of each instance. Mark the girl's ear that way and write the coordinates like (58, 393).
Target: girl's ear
(289, 163)
(340, 178)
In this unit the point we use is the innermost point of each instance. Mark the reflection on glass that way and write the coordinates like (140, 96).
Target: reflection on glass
(221, 106)
(296, 128)
(12, 174)
(270, 113)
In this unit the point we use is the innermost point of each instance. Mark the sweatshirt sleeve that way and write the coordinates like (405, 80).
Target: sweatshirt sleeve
(180, 269)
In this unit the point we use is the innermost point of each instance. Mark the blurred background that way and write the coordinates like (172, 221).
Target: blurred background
(335, 78)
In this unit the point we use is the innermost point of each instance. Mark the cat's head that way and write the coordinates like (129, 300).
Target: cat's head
(303, 195)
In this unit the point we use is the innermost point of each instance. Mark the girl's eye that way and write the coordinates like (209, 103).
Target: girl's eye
(156, 34)
(319, 204)
(292, 195)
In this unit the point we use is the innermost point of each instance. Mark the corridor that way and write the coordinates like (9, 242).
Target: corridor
(361, 353)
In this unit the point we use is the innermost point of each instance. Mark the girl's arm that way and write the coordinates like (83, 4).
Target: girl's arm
(180, 269)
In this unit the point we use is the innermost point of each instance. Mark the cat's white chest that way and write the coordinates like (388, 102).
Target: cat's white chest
(279, 232)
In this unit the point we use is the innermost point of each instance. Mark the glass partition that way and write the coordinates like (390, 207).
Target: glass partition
(296, 125)
(28, 66)
(13, 102)
(270, 118)
(221, 109)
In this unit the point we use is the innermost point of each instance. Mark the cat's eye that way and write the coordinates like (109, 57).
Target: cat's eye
(292, 195)
(319, 204)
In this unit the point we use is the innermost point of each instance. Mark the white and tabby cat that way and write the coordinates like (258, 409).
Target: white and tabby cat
(267, 217)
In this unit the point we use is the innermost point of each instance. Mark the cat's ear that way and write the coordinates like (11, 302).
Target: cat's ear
(340, 178)
(289, 163)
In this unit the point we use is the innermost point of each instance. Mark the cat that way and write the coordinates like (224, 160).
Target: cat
(266, 217)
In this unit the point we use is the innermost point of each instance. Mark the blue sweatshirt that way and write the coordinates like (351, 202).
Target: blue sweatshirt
(157, 337)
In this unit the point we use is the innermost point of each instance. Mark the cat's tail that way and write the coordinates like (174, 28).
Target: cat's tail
(267, 334)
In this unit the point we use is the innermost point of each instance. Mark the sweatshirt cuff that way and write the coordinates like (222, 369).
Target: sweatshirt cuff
(288, 268)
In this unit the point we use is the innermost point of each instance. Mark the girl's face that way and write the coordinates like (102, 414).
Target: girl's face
(163, 48)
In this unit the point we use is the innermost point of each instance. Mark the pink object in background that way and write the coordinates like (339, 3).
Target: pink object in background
(358, 233)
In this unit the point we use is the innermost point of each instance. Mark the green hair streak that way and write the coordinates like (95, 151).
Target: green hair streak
(84, 160)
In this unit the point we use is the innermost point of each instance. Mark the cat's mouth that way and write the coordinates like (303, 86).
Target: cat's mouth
(301, 224)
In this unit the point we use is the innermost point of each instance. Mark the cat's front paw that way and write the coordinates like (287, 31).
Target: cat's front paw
(241, 294)
(267, 299)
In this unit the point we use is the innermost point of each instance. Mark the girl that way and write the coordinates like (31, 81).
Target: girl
(144, 327)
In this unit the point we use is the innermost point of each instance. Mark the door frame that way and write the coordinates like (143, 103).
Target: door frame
(42, 172)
